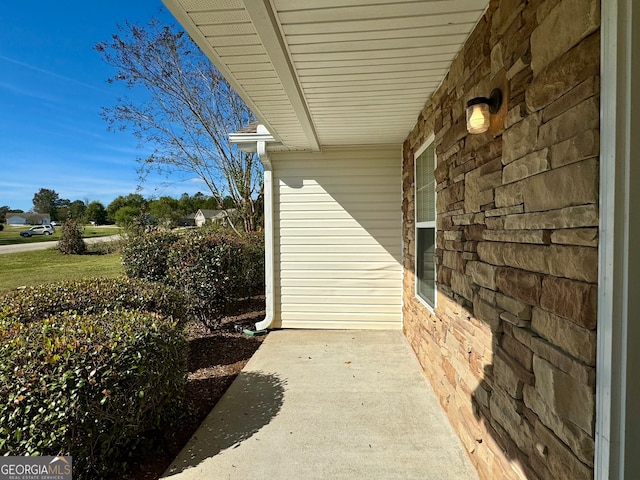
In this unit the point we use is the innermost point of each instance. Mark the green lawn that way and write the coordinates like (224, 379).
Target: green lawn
(45, 266)
(11, 235)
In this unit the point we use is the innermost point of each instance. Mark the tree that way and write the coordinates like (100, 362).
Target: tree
(46, 201)
(3, 213)
(96, 213)
(227, 203)
(165, 211)
(134, 200)
(127, 216)
(191, 204)
(77, 211)
(189, 112)
(62, 208)
(71, 242)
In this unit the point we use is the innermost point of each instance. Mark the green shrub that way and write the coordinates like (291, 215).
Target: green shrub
(212, 268)
(93, 296)
(207, 268)
(252, 281)
(107, 247)
(145, 255)
(71, 242)
(88, 385)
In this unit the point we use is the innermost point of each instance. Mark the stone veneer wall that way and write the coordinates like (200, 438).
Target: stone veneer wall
(510, 350)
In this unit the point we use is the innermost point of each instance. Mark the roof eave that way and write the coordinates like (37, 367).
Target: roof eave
(264, 21)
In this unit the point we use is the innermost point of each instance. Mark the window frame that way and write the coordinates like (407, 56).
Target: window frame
(422, 225)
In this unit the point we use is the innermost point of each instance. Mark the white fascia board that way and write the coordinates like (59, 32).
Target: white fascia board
(247, 142)
(266, 25)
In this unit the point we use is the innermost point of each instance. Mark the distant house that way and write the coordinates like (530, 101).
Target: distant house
(188, 220)
(211, 216)
(18, 218)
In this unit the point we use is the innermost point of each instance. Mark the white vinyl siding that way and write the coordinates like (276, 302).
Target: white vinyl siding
(338, 239)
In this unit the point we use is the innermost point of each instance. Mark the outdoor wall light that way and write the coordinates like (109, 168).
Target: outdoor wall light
(479, 110)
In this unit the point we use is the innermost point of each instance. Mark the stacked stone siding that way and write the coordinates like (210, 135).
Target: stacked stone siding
(510, 348)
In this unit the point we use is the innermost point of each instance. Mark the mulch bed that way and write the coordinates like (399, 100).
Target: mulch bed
(215, 359)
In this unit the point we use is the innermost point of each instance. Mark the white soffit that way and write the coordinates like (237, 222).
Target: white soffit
(332, 72)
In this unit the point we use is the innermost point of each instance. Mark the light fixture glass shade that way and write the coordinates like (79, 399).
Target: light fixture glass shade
(478, 118)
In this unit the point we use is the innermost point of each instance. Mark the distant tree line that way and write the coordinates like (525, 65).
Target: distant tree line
(123, 210)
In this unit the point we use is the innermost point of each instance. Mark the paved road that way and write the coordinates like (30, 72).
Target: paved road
(28, 247)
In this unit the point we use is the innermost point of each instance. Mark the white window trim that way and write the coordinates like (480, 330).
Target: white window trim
(430, 140)
(617, 438)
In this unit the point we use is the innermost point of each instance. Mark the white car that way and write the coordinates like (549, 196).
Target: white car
(38, 230)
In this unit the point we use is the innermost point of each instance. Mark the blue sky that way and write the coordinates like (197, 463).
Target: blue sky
(52, 88)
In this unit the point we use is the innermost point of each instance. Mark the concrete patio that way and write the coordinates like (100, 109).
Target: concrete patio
(326, 405)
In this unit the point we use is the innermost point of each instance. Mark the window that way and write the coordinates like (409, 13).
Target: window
(425, 206)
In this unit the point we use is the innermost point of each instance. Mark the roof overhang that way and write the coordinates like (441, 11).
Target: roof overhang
(332, 72)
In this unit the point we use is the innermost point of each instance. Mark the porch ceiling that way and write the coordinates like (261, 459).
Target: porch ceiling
(332, 72)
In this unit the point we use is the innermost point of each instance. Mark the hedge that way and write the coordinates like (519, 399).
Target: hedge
(207, 268)
(88, 385)
(93, 296)
(211, 268)
(252, 276)
(88, 367)
(145, 255)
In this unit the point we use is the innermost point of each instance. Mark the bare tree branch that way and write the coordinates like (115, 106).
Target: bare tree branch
(187, 115)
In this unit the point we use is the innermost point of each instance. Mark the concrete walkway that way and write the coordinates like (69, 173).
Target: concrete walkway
(326, 405)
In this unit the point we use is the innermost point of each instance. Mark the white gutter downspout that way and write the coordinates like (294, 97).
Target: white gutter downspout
(268, 237)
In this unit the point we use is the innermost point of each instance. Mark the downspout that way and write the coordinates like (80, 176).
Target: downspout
(269, 274)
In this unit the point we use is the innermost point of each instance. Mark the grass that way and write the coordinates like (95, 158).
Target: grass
(45, 266)
(11, 235)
